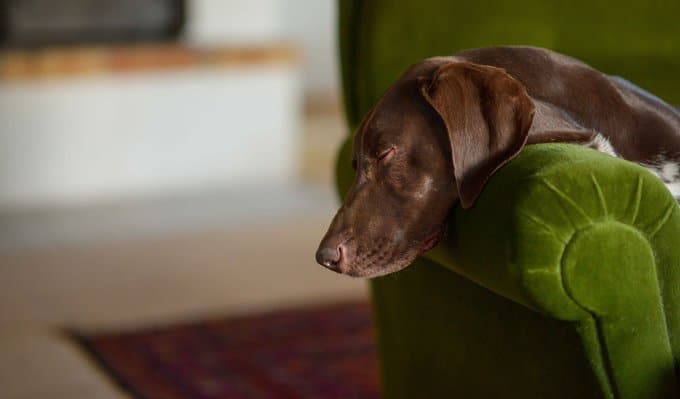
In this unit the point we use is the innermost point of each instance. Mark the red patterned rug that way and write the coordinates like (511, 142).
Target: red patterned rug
(317, 353)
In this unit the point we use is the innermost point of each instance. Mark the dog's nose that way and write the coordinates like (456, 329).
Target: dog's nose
(330, 257)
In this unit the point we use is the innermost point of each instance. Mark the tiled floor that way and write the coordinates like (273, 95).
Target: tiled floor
(158, 262)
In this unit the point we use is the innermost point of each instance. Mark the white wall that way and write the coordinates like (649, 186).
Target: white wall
(233, 22)
(309, 24)
(312, 24)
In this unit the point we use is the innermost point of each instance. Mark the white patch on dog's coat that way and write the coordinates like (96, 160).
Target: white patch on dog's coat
(600, 143)
(669, 173)
(674, 189)
(666, 170)
(425, 187)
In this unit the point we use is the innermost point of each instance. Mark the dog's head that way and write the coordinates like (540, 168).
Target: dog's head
(435, 137)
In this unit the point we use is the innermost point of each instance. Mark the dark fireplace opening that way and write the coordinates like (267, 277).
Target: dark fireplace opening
(38, 23)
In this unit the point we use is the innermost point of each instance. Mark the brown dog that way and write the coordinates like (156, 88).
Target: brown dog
(443, 128)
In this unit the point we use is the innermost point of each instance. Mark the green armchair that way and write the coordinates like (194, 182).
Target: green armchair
(564, 280)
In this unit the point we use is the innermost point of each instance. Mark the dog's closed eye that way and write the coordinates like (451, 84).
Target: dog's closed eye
(386, 154)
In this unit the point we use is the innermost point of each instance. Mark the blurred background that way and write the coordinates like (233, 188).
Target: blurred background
(160, 161)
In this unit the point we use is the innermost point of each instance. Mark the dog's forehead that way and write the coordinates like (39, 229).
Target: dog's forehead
(385, 126)
(399, 109)
(402, 126)
(368, 139)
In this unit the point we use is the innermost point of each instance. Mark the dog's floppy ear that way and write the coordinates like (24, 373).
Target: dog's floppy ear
(487, 114)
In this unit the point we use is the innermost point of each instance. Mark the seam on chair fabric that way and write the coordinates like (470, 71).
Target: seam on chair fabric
(646, 232)
(560, 275)
(563, 196)
(545, 227)
(604, 357)
(600, 195)
(349, 16)
(566, 201)
(661, 221)
(637, 199)
(593, 313)
(365, 84)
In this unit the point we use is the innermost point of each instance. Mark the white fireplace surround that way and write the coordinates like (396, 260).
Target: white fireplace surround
(78, 140)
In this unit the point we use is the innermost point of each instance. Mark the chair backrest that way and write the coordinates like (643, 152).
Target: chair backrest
(638, 40)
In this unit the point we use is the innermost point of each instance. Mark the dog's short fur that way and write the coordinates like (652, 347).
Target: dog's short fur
(444, 127)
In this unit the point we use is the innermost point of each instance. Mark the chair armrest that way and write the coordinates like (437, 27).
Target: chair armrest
(525, 229)
(579, 236)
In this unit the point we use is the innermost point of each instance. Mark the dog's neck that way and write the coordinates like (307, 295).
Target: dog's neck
(549, 117)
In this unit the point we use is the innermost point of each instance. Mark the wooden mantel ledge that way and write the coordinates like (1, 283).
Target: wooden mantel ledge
(83, 61)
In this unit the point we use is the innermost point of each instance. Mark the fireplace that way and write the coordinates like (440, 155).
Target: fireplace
(34, 23)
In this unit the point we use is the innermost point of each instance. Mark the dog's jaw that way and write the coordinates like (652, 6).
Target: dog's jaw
(432, 240)
(394, 266)
(400, 263)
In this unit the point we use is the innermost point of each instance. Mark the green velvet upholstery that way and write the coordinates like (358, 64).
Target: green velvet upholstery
(564, 280)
